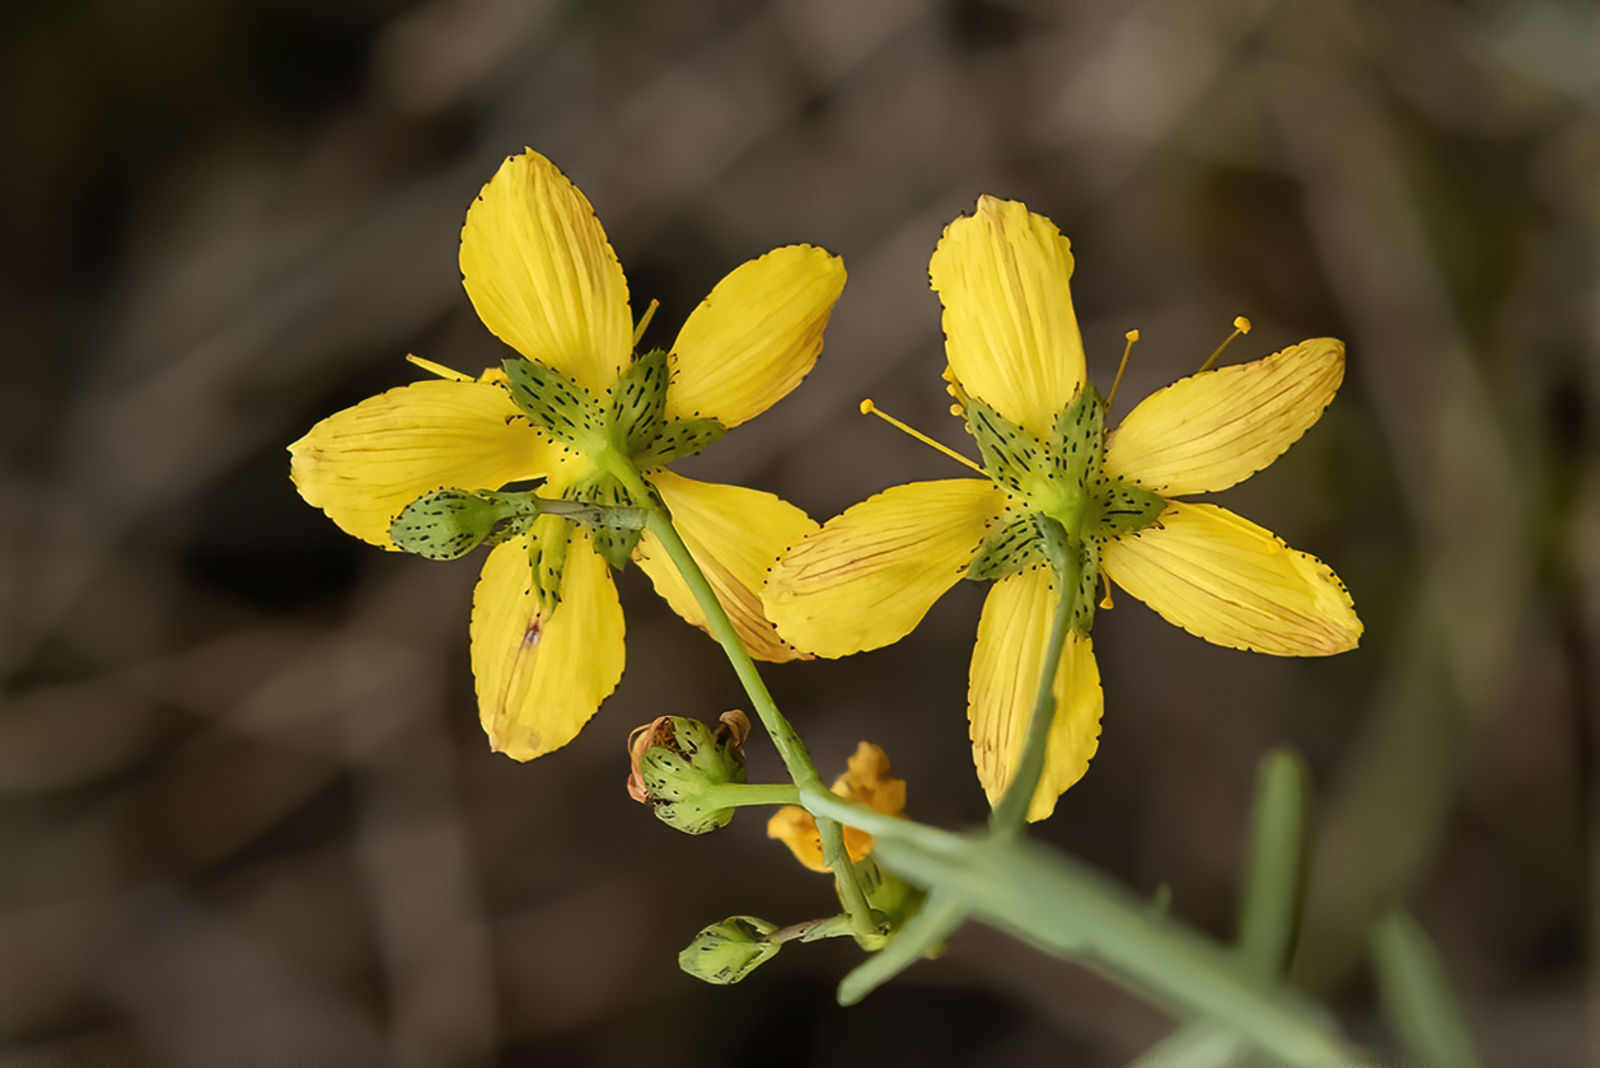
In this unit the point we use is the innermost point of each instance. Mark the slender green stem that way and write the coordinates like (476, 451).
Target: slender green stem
(790, 748)
(815, 930)
(740, 795)
(1012, 811)
(788, 743)
(845, 879)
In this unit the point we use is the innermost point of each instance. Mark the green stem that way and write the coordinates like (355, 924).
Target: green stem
(1012, 811)
(790, 748)
(815, 930)
(740, 795)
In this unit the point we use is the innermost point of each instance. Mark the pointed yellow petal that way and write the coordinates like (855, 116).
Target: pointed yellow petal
(1222, 578)
(1208, 431)
(755, 337)
(1004, 683)
(869, 576)
(364, 464)
(540, 678)
(735, 535)
(538, 268)
(1010, 332)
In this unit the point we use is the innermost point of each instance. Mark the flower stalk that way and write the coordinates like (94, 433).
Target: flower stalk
(1010, 814)
(796, 760)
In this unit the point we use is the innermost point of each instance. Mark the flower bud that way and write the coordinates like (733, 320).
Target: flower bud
(726, 952)
(677, 763)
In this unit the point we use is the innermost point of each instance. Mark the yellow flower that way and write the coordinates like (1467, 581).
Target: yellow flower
(547, 629)
(867, 780)
(1016, 368)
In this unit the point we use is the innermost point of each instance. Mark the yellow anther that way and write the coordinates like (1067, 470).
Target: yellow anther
(644, 321)
(438, 369)
(1105, 602)
(957, 411)
(1132, 336)
(868, 408)
(1241, 325)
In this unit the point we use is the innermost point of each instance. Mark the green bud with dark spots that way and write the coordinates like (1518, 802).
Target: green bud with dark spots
(726, 952)
(679, 764)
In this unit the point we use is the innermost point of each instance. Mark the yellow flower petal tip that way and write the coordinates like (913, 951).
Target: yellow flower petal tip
(867, 780)
(1011, 334)
(755, 336)
(1013, 634)
(868, 576)
(538, 268)
(1223, 578)
(541, 673)
(1212, 430)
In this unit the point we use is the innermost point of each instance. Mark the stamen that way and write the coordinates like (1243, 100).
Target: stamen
(1241, 325)
(438, 369)
(1132, 336)
(644, 321)
(868, 408)
(1105, 602)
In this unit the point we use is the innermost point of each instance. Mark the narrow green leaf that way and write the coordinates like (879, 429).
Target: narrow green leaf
(1269, 909)
(1416, 993)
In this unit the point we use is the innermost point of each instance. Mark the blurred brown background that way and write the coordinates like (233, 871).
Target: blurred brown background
(246, 811)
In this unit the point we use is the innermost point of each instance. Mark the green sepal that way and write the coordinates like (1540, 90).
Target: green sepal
(555, 403)
(448, 523)
(678, 437)
(639, 402)
(547, 560)
(1012, 546)
(726, 952)
(887, 894)
(1120, 507)
(1088, 578)
(1079, 438)
(615, 540)
(1010, 454)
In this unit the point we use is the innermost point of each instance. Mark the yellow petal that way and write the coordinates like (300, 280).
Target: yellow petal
(755, 337)
(364, 464)
(1010, 332)
(1004, 683)
(797, 829)
(538, 268)
(869, 575)
(1208, 431)
(866, 780)
(735, 535)
(540, 678)
(1222, 578)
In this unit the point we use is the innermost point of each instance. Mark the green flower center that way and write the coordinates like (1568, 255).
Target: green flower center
(1056, 489)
